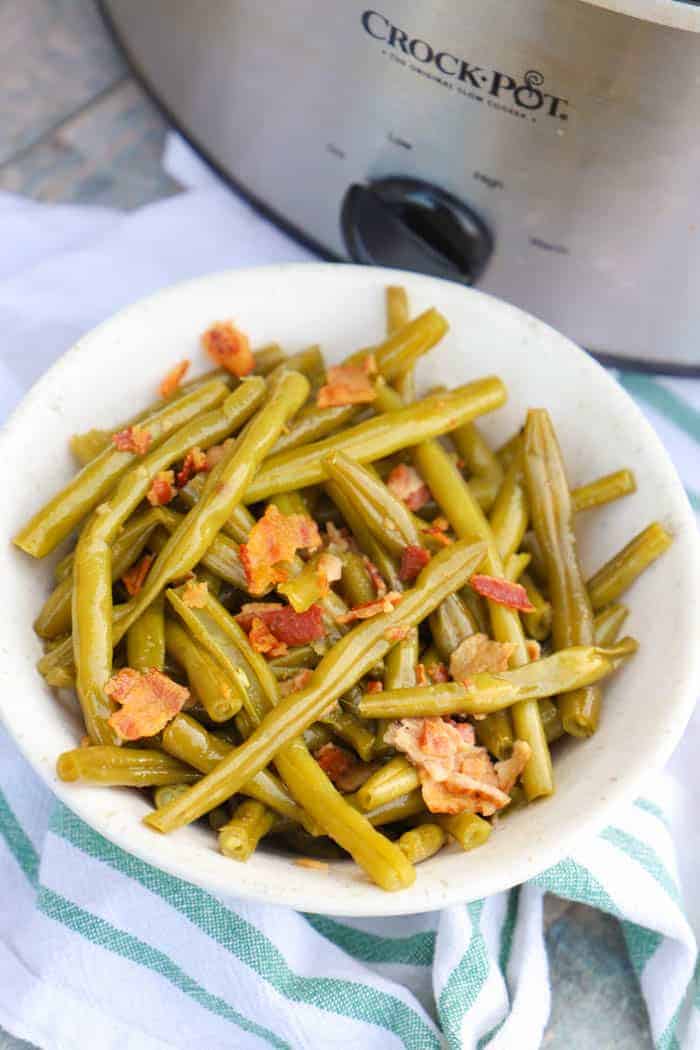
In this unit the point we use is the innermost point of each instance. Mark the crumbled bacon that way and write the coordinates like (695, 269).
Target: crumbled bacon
(245, 617)
(194, 462)
(342, 767)
(456, 776)
(171, 381)
(479, 653)
(374, 686)
(406, 484)
(348, 385)
(313, 864)
(421, 676)
(229, 348)
(194, 594)
(263, 640)
(329, 568)
(503, 592)
(438, 673)
(162, 488)
(380, 587)
(508, 771)
(369, 609)
(534, 649)
(298, 681)
(149, 700)
(413, 559)
(273, 541)
(132, 439)
(288, 626)
(397, 633)
(438, 530)
(134, 577)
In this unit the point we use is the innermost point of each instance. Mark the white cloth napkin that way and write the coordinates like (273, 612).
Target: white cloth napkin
(97, 948)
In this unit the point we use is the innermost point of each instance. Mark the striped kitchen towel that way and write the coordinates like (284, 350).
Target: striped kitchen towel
(98, 948)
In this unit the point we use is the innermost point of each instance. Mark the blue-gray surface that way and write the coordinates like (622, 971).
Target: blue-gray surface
(74, 126)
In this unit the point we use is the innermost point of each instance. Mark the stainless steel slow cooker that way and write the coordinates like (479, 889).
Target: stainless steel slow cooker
(547, 150)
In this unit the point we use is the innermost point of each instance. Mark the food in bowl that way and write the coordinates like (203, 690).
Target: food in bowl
(306, 604)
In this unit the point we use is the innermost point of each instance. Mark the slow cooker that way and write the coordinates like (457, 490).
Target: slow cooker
(546, 150)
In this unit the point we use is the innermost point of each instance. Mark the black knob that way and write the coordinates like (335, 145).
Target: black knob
(411, 225)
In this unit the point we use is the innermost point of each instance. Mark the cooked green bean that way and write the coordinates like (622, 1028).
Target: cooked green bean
(399, 672)
(82, 494)
(387, 518)
(220, 697)
(515, 566)
(422, 842)
(145, 639)
(538, 624)
(239, 838)
(620, 572)
(216, 818)
(350, 729)
(377, 437)
(468, 830)
(467, 519)
(479, 460)
(608, 624)
(564, 671)
(396, 308)
(123, 767)
(367, 543)
(395, 779)
(552, 518)
(603, 490)
(356, 582)
(166, 793)
(221, 557)
(349, 659)
(509, 514)
(401, 808)
(549, 713)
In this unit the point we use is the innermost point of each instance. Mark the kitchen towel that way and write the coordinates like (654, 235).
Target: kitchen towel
(99, 949)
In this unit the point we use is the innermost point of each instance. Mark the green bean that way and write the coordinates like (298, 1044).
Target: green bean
(68, 507)
(223, 489)
(468, 830)
(396, 308)
(145, 639)
(239, 838)
(516, 565)
(298, 656)
(479, 460)
(402, 808)
(564, 671)
(344, 665)
(538, 623)
(290, 503)
(166, 793)
(123, 767)
(350, 729)
(321, 848)
(221, 557)
(511, 448)
(186, 739)
(377, 437)
(312, 424)
(239, 522)
(55, 615)
(620, 572)
(549, 713)
(509, 514)
(356, 582)
(422, 842)
(399, 672)
(363, 536)
(450, 624)
(603, 490)
(387, 517)
(216, 818)
(395, 779)
(552, 519)
(220, 697)
(467, 519)
(608, 624)
(307, 587)
(316, 736)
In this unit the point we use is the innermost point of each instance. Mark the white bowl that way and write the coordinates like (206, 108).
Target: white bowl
(114, 370)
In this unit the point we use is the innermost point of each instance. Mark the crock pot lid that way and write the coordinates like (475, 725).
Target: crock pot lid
(680, 14)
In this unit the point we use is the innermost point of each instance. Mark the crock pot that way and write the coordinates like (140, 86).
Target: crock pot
(546, 150)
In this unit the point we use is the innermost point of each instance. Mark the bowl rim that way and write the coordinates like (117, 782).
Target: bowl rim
(440, 893)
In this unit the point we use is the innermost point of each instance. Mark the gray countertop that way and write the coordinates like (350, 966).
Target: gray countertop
(75, 126)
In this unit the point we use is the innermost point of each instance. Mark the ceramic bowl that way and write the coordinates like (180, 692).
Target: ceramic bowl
(114, 371)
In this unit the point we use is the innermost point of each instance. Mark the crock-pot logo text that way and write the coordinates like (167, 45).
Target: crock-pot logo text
(523, 93)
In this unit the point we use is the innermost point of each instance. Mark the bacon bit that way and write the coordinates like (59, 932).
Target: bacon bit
(396, 633)
(413, 559)
(263, 640)
(347, 385)
(421, 676)
(501, 591)
(311, 862)
(534, 649)
(132, 439)
(299, 681)
(374, 686)
(342, 767)
(437, 529)
(369, 609)
(508, 771)
(133, 579)
(438, 673)
(478, 653)
(456, 776)
(194, 463)
(274, 540)
(287, 626)
(162, 489)
(329, 568)
(376, 577)
(149, 700)
(251, 609)
(229, 348)
(171, 381)
(405, 483)
(194, 594)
